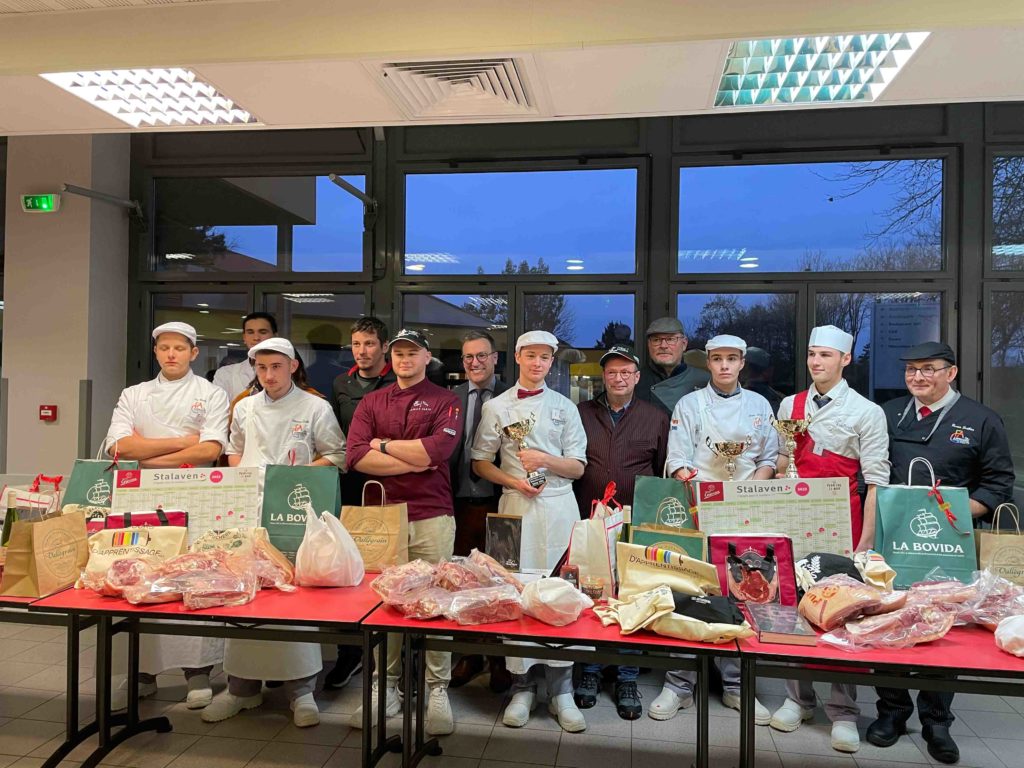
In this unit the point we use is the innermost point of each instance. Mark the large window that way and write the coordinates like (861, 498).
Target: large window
(879, 215)
(258, 224)
(217, 318)
(1005, 379)
(525, 222)
(1008, 212)
(883, 325)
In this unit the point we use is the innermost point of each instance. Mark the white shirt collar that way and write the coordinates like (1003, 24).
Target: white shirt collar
(161, 379)
(282, 398)
(834, 394)
(488, 388)
(939, 404)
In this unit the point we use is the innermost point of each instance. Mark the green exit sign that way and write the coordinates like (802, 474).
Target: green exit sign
(40, 203)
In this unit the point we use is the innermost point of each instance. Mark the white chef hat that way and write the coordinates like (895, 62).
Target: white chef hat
(726, 341)
(832, 337)
(537, 337)
(184, 329)
(273, 344)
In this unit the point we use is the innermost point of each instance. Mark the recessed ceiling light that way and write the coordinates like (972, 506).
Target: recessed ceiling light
(204, 311)
(748, 258)
(826, 69)
(575, 267)
(233, 344)
(153, 97)
(749, 265)
(574, 261)
(416, 267)
(179, 256)
(202, 305)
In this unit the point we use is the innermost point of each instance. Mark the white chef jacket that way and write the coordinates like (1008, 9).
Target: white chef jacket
(548, 517)
(702, 418)
(235, 378)
(265, 431)
(849, 425)
(161, 408)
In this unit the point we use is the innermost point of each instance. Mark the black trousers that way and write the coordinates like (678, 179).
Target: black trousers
(933, 707)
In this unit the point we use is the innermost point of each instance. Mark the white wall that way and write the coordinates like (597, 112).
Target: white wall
(65, 294)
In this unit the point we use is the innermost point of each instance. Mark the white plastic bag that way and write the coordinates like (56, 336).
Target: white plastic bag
(1010, 635)
(327, 556)
(554, 601)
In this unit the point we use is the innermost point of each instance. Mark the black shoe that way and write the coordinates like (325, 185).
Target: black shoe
(501, 678)
(627, 701)
(886, 731)
(940, 744)
(345, 668)
(274, 683)
(586, 692)
(467, 668)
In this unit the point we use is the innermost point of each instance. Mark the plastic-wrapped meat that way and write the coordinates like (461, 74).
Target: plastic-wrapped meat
(951, 591)
(486, 605)
(272, 567)
(398, 580)
(208, 589)
(915, 623)
(127, 572)
(426, 603)
(890, 601)
(457, 575)
(837, 599)
(995, 599)
(496, 569)
(158, 591)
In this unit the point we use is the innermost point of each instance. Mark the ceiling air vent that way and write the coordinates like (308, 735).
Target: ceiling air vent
(63, 6)
(424, 90)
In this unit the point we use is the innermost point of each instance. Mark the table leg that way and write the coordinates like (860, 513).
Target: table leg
(373, 753)
(748, 691)
(415, 653)
(703, 716)
(407, 743)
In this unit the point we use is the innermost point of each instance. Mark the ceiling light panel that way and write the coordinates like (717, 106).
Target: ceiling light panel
(154, 98)
(826, 69)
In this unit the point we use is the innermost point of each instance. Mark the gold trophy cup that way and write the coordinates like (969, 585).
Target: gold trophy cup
(731, 449)
(789, 429)
(517, 432)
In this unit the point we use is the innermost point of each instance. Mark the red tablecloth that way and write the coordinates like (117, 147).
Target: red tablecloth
(967, 650)
(587, 630)
(17, 602)
(312, 605)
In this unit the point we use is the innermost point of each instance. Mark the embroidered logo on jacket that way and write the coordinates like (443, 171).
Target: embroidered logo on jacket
(959, 438)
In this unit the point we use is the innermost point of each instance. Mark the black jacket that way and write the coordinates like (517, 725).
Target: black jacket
(456, 459)
(969, 448)
(345, 396)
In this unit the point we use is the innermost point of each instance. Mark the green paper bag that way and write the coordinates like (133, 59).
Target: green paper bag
(92, 481)
(664, 501)
(919, 528)
(286, 493)
(679, 540)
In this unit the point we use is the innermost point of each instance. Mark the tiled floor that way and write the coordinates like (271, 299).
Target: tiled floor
(989, 729)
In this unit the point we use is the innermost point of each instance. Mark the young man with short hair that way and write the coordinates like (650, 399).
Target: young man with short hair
(404, 435)
(557, 447)
(282, 424)
(236, 377)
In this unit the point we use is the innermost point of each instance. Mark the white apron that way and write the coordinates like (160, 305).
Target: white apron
(269, 439)
(170, 417)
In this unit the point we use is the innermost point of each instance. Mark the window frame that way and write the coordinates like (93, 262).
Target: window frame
(397, 214)
(950, 228)
(991, 152)
(986, 337)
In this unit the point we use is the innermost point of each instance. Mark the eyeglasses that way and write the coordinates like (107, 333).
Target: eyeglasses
(480, 357)
(620, 374)
(928, 371)
(665, 341)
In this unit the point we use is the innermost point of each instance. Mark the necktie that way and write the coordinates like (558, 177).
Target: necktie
(925, 412)
(822, 400)
(477, 412)
(525, 393)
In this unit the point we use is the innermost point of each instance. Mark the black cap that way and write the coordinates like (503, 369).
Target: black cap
(621, 350)
(930, 350)
(414, 337)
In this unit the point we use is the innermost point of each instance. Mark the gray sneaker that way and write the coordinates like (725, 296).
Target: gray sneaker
(587, 690)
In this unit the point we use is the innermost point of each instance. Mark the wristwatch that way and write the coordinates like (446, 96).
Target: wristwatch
(384, 445)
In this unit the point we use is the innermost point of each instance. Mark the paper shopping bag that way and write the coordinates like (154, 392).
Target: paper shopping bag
(381, 532)
(664, 501)
(92, 482)
(755, 568)
(157, 544)
(40, 500)
(1002, 552)
(919, 528)
(644, 568)
(286, 493)
(686, 542)
(592, 548)
(44, 557)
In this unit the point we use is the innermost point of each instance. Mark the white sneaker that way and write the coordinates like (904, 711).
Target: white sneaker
(845, 737)
(569, 716)
(440, 721)
(228, 705)
(200, 694)
(788, 717)
(305, 712)
(761, 714)
(517, 713)
(392, 705)
(667, 703)
(119, 695)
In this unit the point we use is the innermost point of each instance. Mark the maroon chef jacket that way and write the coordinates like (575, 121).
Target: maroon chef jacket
(424, 412)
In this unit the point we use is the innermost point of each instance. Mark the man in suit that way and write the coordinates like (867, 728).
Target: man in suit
(474, 496)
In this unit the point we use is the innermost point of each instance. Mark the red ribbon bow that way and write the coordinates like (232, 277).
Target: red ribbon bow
(41, 478)
(525, 393)
(944, 506)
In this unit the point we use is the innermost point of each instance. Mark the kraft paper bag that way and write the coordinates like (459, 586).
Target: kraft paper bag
(664, 501)
(1002, 552)
(592, 548)
(286, 493)
(44, 557)
(919, 528)
(38, 501)
(381, 532)
(644, 568)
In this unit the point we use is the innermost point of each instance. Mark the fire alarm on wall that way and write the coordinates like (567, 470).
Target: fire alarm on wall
(47, 412)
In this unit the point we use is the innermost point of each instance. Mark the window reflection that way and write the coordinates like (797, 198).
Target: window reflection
(1006, 371)
(1008, 212)
(217, 318)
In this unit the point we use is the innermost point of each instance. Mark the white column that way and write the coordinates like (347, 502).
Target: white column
(65, 295)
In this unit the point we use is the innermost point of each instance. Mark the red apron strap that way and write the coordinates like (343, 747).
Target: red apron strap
(799, 404)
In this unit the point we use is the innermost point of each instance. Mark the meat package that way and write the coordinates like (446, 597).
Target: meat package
(755, 568)
(486, 605)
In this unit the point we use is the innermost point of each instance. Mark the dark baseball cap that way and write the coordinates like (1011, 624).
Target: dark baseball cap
(414, 337)
(930, 350)
(665, 325)
(621, 350)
